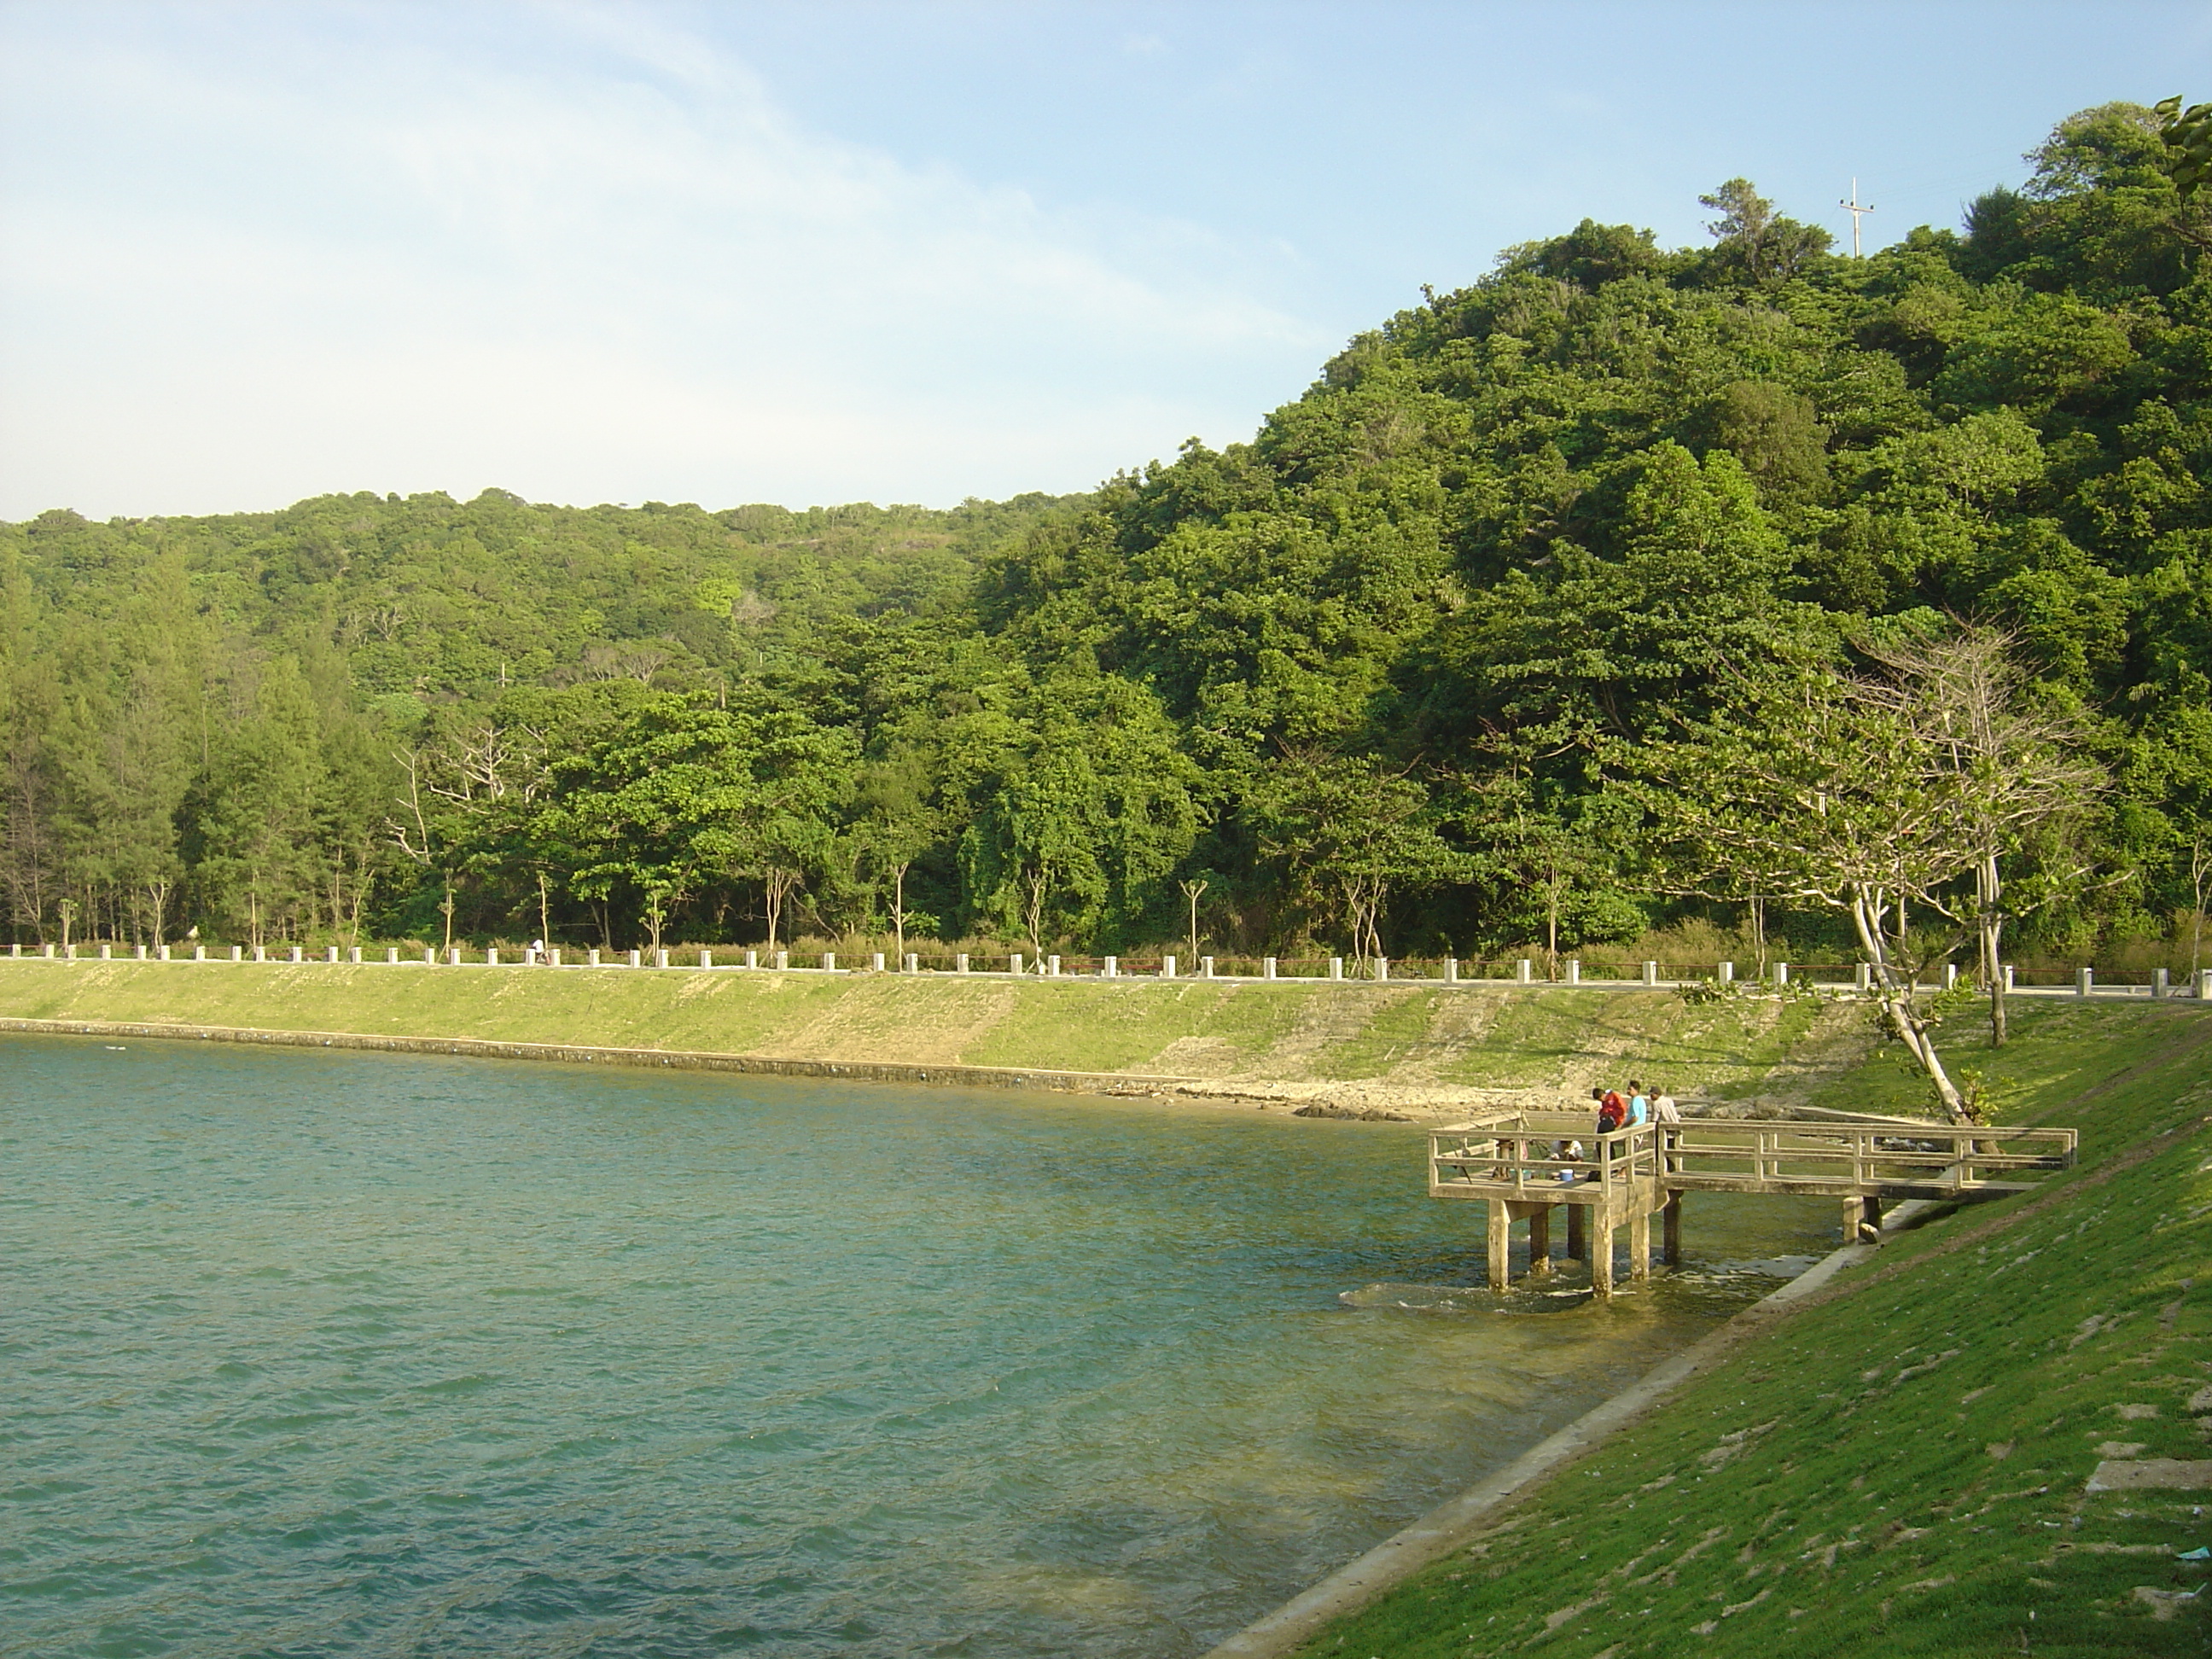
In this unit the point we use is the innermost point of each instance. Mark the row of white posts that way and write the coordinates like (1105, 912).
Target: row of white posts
(1524, 970)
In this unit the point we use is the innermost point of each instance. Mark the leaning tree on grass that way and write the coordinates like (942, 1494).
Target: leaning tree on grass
(1877, 795)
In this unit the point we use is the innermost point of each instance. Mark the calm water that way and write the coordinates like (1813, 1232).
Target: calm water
(319, 1354)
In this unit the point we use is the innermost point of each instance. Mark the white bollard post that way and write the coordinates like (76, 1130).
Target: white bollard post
(139, 950)
(752, 958)
(1267, 968)
(960, 962)
(1950, 975)
(1781, 973)
(2008, 976)
(1382, 968)
(1112, 969)
(429, 955)
(2085, 982)
(1167, 967)
(1863, 976)
(1014, 964)
(261, 953)
(104, 952)
(1727, 973)
(2162, 985)
(492, 956)
(1451, 971)
(660, 957)
(828, 962)
(391, 954)
(199, 953)
(1650, 973)
(552, 955)
(1524, 971)
(2204, 985)
(634, 959)
(1206, 967)
(705, 959)
(591, 957)
(329, 953)
(453, 955)
(1574, 970)
(163, 952)
(1336, 967)
(47, 951)
(1052, 966)
(16, 950)
(237, 953)
(876, 962)
(913, 962)
(782, 960)
(294, 953)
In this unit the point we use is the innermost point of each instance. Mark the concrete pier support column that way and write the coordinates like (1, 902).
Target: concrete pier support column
(1670, 1230)
(1501, 1243)
(875, 962)
(1267, 968)
(1167, 967)
(960, 962)
(1575, 971)
(1336, 967)
(1579, 1232)
(2162, 985)
(2085, 980)
(1524, 972)
(913, 961)
(1539, 1240)
(1639, 1243)
(1451, 971)
(1601, 1247)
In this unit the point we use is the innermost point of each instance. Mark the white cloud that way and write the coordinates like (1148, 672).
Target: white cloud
(253, 254)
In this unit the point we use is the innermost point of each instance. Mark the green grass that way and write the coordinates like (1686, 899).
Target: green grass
(1899, 1468)
(1495, 1036)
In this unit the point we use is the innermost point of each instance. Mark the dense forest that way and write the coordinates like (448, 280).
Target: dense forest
(1362, 684)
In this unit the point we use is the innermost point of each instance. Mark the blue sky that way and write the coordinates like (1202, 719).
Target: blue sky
(897, 251)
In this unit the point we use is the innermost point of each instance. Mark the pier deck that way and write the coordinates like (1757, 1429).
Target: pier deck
(1525, 1164)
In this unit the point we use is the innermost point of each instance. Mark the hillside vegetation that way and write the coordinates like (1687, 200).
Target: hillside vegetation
(1903, 1466)
(1360, 677)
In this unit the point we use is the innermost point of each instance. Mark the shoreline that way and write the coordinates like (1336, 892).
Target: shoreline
(1453, 1523)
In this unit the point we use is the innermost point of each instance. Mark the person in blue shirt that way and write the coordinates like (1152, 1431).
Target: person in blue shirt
(1640, 1107)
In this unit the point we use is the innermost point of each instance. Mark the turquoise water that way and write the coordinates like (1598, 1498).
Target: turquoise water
(342, 1354)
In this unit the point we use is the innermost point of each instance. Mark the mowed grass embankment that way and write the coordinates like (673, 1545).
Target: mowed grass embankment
(1899, 1467)
(1481, 1036)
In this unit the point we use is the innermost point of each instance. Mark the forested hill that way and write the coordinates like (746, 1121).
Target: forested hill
(1360, 676)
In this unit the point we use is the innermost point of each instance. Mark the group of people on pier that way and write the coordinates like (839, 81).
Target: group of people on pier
(1616, 1111)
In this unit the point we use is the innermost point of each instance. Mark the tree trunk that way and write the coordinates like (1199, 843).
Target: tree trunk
(898, 911)
(1989, 889)
(1897, 1000)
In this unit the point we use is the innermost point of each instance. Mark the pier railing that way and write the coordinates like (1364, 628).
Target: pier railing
(1531, 1158)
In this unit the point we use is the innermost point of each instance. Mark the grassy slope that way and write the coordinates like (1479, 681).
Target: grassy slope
(1492, 1036)
(1899, 1468)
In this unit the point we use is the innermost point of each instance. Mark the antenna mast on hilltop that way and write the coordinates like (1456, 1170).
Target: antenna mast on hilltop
(1853, 208)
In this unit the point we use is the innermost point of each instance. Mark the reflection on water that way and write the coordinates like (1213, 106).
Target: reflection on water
(329, 1353)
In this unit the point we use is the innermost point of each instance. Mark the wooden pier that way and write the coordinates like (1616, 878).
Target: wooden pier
(1524, 1165)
